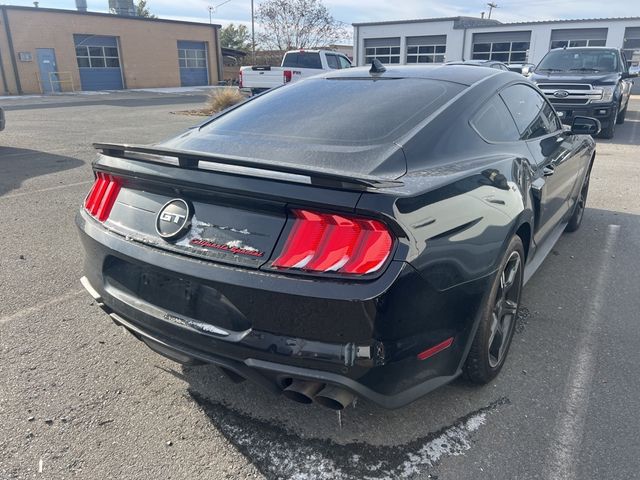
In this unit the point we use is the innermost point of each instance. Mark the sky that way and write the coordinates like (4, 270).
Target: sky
(350, 11)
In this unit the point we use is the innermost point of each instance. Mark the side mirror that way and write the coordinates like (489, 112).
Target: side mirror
(527, 70)
(585, 126)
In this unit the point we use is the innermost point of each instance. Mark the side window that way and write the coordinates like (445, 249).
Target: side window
(332, 61)
(494, 123)
(533, 115)
(344, 62)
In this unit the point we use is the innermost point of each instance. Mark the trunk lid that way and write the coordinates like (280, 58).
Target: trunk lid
(223, 217)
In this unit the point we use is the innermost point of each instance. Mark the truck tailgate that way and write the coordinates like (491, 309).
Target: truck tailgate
(262, 77)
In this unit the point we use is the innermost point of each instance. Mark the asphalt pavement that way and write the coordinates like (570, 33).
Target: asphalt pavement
(80, 398)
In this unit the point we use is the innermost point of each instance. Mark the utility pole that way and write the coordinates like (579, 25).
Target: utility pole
(253, 36)
(491, 6)
(211, 9)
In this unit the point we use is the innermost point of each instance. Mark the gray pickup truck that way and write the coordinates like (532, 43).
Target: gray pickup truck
(587, 82)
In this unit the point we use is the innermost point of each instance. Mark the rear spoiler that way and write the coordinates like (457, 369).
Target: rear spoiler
(245, 166)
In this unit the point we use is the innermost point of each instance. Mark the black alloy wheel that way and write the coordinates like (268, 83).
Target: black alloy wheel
(497, 326)
(581, 203)
(503, 316)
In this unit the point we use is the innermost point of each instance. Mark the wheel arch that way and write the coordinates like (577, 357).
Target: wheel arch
(524, 232)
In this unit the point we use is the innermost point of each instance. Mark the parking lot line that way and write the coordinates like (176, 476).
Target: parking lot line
(48, 189)
(570, 424)
(42, 306)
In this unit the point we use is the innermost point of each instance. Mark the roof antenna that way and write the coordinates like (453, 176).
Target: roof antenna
(377, 67)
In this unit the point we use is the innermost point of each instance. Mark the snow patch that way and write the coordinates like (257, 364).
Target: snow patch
(281, 454)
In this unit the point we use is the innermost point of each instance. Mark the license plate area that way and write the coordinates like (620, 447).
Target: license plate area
(177, 295)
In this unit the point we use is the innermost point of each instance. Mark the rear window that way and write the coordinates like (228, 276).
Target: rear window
(302, 60)
(347, 111)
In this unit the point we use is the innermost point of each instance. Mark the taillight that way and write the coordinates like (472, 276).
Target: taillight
(288, 75)
(240, 79)
(102, 196)
(325, 242)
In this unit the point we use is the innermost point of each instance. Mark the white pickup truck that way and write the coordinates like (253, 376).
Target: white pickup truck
(296, 65)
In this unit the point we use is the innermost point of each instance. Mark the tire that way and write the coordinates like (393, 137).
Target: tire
(621, 116)
(578, 211)
(610, 130)
(492, 341)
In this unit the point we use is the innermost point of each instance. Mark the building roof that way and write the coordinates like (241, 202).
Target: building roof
(233, 52)
(475, 22)
(106, 15)
(573, 20)
(459, 20)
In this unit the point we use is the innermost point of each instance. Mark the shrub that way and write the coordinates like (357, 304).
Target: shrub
(222, 98)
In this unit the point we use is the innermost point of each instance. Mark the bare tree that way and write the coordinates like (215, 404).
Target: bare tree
(292, 24)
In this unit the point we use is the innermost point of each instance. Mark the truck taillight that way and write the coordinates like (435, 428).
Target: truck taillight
(240, 78)
(102, 196)
(288, 75)
(325, 242)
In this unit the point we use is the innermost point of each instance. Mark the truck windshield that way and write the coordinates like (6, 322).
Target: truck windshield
(579, 60)
(302, 60)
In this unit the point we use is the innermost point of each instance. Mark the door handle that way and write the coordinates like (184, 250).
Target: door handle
(548, 171)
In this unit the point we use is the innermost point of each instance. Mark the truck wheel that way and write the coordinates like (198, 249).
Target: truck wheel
(621, 115)
(493, 338)
(578, 211)
(610, 130)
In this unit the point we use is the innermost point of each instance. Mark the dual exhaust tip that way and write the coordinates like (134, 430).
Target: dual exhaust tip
(329, 396)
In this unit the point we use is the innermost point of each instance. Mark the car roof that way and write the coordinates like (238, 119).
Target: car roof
(587, 48)
(461, 73)
(472, 62)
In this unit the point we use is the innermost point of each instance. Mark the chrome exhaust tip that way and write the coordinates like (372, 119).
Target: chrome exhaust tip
(302, 391)
(334, 398)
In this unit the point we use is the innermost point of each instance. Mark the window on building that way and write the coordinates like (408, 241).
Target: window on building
(631, 45)
(426, 49)
(387, 50)
(192, 58)
(97, 57)
(426, 54)
(578, 37)
(578, 43)
(507, 52)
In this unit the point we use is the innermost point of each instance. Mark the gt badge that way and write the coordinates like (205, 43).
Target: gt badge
(174, 219)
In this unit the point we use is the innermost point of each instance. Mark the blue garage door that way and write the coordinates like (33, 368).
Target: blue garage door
(192, 58)
(98, 62)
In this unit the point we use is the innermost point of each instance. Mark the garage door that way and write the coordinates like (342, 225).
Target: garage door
(192, 58)
(98, 62)
(507, 47)
(632, 52)
(579, 37)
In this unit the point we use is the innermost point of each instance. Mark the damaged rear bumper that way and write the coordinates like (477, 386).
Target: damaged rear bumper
(361, 337)
(272, 376)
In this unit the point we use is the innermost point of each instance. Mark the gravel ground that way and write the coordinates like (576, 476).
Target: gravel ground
(80, 398)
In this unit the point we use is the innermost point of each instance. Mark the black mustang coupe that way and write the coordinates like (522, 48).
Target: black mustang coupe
(366, 232)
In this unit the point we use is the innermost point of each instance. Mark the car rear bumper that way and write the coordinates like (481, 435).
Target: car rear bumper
(270, 328)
